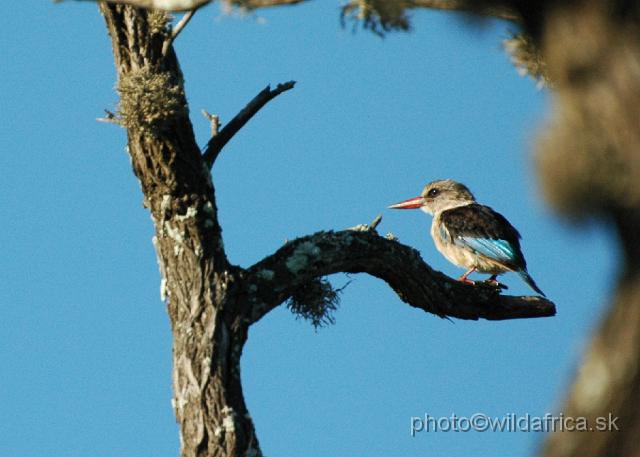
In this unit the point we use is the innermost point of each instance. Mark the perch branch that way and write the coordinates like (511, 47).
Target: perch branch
(217, 142)
(415, 282)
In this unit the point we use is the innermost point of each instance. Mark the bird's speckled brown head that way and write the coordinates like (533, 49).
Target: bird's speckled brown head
(444, 194)
(439, 196)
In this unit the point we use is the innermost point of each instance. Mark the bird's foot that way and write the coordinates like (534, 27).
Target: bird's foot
(493, 281)
(463, 279)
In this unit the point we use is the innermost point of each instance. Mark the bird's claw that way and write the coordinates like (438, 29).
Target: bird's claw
(494, 283)
(489, 282)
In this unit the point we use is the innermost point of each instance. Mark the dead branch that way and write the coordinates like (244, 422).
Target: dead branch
(469, 6)
(182, 23)
(174, 6)
(214, 121)
(217, 142)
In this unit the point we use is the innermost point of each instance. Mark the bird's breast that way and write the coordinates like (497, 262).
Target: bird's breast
(459, 255)
(452, 252)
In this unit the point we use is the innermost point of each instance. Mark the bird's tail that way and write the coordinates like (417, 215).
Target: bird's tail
(529, 280)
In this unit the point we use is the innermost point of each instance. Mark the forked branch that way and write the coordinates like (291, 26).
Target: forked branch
(402, 267)
(217, 142)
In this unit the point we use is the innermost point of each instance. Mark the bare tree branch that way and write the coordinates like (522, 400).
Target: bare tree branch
(174, 6)
(415, 282)
(381, 16)
(182, 23)
(468, 6)
(217, 142)
(178, 6)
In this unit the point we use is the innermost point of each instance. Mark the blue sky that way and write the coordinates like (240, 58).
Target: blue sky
(84, 338)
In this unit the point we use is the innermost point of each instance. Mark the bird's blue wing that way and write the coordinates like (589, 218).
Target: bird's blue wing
(500, 250)
(480, 229)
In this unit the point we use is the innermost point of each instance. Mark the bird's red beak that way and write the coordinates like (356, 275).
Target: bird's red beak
(412, 203)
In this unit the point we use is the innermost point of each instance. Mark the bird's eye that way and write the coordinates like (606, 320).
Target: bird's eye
(433, 192)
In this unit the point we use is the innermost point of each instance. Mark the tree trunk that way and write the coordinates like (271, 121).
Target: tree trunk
(200, 285)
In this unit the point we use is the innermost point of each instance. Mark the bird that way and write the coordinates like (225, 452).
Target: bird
(470, 235)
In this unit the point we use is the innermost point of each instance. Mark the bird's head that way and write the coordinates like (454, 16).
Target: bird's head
(439, 196)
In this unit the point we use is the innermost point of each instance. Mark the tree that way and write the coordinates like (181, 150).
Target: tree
(212, 303)
(587, 51)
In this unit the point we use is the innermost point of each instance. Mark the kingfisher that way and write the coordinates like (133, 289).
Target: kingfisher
(470, 235)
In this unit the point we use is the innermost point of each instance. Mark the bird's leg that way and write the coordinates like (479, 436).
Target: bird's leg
(464, 279)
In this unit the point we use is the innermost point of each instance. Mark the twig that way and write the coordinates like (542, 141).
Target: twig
(217, 142)
(367, 228)
(375, 222)
(182, 23)
(213, 120)
(109, 117)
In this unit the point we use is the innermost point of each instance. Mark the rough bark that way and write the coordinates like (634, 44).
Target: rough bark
(211, 303)
(197, 280)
